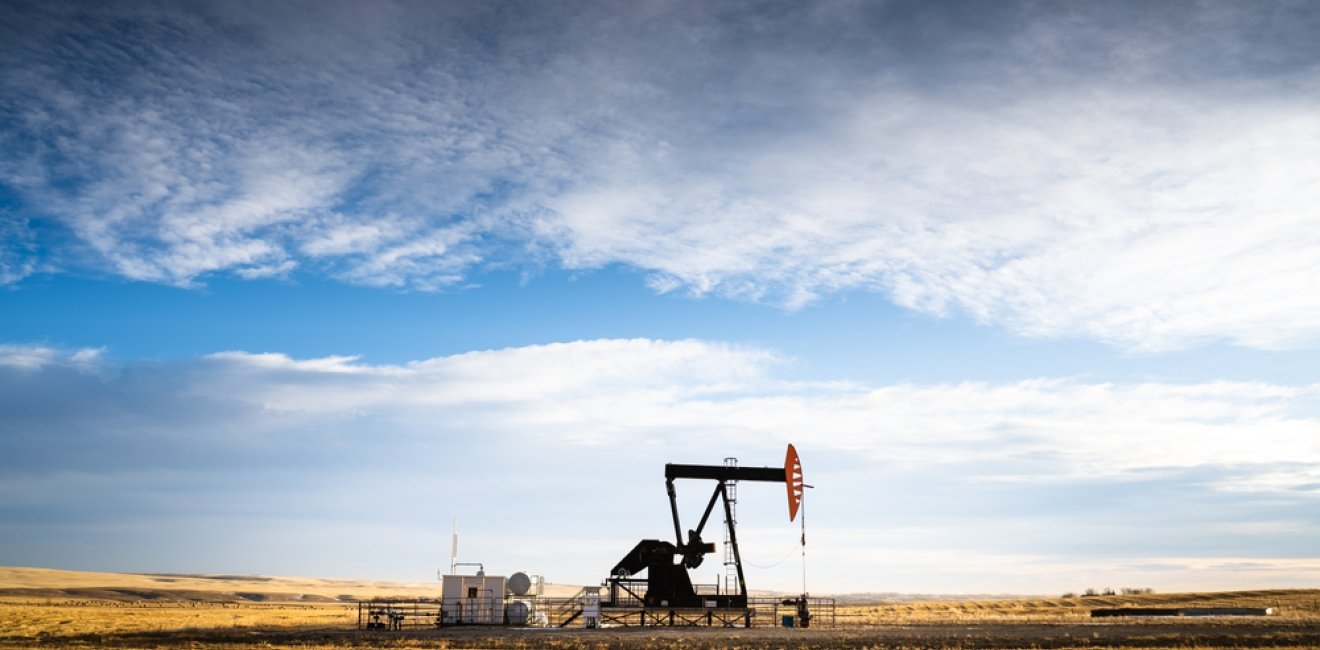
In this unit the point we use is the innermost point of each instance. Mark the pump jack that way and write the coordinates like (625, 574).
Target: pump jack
(667, 581)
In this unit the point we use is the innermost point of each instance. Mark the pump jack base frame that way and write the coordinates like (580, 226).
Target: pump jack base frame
(677, 616)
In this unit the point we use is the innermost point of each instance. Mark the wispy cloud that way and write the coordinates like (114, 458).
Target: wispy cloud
(37, 357)
(17, 249)
(617, 392)
(1132, 174)
(1175, 471)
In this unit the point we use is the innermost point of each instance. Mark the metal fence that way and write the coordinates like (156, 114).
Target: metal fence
(528, 611)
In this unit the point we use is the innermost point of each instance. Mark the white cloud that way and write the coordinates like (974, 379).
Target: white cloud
(1061, 173)
(580, 389)
(278, 361)
(1051, 216)
(618, 392)
(29, 357)
(1051, 469)
(36, 357)
(16, 249)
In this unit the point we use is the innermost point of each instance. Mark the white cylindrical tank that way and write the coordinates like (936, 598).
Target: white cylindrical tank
(518, 612)
(519, 584)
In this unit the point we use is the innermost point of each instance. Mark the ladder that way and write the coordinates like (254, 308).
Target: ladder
(731, 585)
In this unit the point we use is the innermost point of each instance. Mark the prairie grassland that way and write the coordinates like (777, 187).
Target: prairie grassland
(229, 619)
(23, 582)
(947, 625)
(254, 626)
(1288, 604)
(53, 620)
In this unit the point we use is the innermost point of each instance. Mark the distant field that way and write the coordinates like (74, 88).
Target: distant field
(27, 583)
(1289, 604)
(18, 582)
(42, 608)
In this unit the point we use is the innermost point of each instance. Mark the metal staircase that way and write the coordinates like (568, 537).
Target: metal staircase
(570, 610)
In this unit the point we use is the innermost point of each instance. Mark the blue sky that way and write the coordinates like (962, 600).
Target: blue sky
(288, 287)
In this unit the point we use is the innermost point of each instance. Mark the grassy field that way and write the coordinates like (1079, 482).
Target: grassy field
(1291, 604)
(22, 582)
(36, 610)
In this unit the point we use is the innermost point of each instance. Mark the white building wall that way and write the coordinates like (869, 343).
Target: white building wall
(473, 599)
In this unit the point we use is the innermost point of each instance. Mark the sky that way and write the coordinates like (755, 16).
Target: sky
(288, 288)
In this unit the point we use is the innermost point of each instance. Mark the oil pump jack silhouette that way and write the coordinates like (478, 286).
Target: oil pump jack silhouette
(667, 581)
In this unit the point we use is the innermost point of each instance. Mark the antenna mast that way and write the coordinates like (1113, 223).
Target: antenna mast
(453, 550)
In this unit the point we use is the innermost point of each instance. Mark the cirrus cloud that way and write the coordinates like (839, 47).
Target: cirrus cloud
(1131, 174)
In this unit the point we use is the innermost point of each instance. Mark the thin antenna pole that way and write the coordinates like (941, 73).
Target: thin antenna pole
(803, 511)
(453, 550)
(804, 543)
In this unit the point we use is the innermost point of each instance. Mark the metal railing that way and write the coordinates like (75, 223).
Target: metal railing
(562, 612)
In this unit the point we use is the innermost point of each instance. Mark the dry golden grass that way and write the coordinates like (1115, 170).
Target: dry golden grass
(91, 618)
(1290, 604)
(254, 626)
(40, 622)
(29, 583)
(22, 582)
